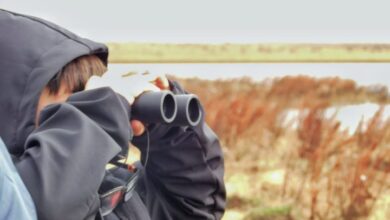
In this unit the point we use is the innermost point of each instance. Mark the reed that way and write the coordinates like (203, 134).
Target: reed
(328, 172)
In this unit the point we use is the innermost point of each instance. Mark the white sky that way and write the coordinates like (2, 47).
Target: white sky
(217, 21)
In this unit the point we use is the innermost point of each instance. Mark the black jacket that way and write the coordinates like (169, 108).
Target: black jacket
(62, 162)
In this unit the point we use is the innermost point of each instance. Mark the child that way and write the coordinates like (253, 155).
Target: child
(61, 135)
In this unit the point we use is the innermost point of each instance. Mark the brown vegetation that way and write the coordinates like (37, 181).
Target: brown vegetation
(328, 173)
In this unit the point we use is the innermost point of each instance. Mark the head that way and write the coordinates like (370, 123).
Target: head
(32, 52)
(70, 79)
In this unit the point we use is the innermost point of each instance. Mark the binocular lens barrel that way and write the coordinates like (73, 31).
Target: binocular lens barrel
(188, 110)
(155, 107)
(167, 108)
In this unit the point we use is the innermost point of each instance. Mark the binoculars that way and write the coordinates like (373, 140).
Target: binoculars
(166, 108)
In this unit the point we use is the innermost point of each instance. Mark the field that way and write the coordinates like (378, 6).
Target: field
(244, 53)
(313, 170)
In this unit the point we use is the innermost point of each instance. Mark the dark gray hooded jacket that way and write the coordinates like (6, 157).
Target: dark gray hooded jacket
(62, 162)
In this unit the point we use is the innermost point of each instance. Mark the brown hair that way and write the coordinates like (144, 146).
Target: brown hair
(76, 74)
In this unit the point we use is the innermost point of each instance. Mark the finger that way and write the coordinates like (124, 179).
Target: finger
(162, 83)
(131, 167)
(159, 79)
(138, 127)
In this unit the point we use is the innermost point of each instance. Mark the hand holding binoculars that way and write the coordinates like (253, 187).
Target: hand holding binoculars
(166, 108)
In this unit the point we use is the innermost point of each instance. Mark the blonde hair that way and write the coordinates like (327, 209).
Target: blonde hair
(76, 74)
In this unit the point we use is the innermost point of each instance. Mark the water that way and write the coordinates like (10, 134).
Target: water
(350, 116)
(362, 73)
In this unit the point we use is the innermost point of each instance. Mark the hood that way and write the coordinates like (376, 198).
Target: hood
(32, 51)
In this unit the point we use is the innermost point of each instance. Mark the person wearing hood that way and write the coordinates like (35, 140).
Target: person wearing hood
(61, 135)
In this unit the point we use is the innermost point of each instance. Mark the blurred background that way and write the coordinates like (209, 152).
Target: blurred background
(296, 90)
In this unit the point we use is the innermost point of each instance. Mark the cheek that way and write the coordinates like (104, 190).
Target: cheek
(40, 106)
(47, 99)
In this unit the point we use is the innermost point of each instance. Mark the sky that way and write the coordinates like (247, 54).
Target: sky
(217, 21)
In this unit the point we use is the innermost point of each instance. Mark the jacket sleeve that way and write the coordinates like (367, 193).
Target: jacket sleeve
(183, 177)
(65, 157)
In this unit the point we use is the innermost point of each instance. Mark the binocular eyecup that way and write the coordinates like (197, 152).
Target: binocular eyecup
(166, 108)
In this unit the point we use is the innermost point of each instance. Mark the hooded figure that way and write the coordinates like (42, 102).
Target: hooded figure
(62, 161)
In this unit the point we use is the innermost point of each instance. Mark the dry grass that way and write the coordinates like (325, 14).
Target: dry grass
(228, 53)
(313, 171)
